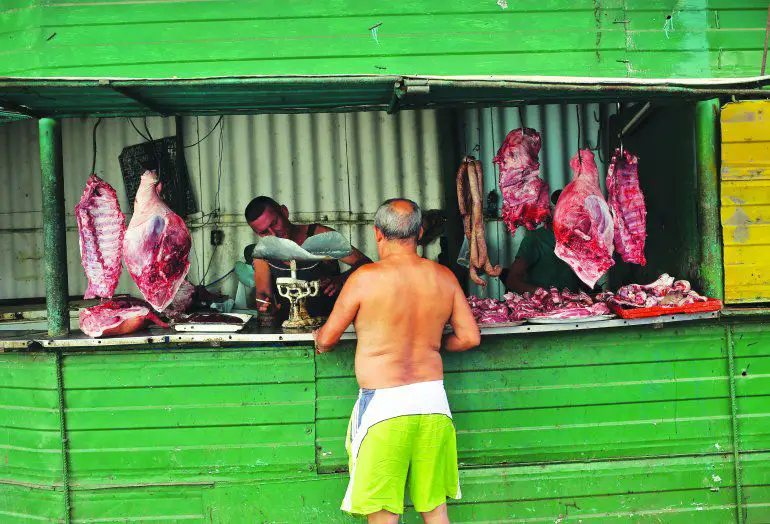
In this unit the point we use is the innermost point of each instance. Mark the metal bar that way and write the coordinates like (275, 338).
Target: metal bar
(136, 97)
(33, 341)
(707, 144)
(636, 120)
(15, 108)
(54, 236)
(737, 466)
(64, 440)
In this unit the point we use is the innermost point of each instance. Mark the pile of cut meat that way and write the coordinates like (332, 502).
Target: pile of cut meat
(155, 248)
(665, 291)
(540, 304)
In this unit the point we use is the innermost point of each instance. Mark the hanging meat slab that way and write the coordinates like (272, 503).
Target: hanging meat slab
(582, 222)
(525, 195)
(101, 226)
(626, 202)
(117, 317)
(156, 245)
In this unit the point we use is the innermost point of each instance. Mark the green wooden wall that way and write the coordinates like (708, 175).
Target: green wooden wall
(616, 425)
(194, 38)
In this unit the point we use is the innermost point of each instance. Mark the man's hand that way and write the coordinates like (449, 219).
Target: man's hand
(319, 349)
(265, 303)
(331, 286)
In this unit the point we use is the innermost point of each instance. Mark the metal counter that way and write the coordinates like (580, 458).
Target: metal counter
(10, 340)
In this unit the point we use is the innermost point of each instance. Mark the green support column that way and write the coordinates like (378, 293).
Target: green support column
(54, 232)
(708, 145)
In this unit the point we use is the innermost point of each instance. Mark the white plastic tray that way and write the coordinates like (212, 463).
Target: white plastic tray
(215, 328)
(546, 320)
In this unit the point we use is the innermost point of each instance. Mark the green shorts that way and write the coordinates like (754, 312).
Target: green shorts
(389, 454)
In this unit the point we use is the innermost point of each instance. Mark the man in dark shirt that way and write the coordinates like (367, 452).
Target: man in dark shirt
(536, 265)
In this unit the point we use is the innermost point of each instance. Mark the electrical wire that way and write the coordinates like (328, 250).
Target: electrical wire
(137, 130)
(93, 163)
(219, 121)
(215, 214)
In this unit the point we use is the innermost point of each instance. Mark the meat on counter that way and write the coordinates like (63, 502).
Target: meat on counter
(119, 316)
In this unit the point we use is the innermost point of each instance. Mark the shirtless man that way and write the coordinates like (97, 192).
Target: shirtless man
(401, 422)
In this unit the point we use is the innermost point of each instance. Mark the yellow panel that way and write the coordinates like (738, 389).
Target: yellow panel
(745, 200)
(756, 154)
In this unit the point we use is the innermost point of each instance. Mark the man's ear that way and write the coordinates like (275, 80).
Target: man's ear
(422, 232)
(284, 211)
(378, 236)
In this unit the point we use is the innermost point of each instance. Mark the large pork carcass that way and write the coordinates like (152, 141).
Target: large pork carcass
(627, 205)
(101, 225)
(582, 222)
(120, 316)
(156, 246)
(525, 195)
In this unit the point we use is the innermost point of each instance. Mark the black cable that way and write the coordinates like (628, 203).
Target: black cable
(577, 111)
(93, 163)
(521, 117)
(137, 130)
(219, 121)
(215, 213)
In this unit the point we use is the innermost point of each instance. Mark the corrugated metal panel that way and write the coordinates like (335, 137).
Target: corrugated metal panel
(746, 201)
(484, 131)
(330, 168)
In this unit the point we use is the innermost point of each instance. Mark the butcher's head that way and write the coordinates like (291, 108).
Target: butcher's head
(398, 220)
(268, 218)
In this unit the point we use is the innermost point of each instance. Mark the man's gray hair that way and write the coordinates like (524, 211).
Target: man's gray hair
(395, 224)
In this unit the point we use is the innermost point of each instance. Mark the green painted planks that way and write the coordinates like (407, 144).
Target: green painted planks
(459, 37)
(550, 398)
(30, 435)
(668, 490)
(135, 369)
(182, 416)
(189, 406)
(25, 504)
(149, 504)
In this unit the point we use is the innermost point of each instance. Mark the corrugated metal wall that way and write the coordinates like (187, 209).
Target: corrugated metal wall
(484, 131)
(332, 168)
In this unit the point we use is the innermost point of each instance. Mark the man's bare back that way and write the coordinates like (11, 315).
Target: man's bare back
(400, 306)
(406, 302)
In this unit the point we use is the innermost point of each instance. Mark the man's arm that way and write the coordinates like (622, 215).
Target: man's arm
(516, 275)
(344, 312)
(263, 284)
(465, 330)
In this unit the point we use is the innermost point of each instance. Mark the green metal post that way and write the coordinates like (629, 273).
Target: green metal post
(736, 435)
(707, 145)
(54, 233)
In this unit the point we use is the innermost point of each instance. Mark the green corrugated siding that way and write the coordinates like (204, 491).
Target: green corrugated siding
(619, 38)
(626, 425)
(189, 416)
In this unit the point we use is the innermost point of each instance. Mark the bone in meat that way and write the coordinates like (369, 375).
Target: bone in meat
(627, 205)
(101, 227)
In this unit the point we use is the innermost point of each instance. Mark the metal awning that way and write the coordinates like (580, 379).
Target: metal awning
(79, 97)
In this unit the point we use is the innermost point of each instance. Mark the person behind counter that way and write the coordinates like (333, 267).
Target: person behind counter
(536, 265)
(268, 218)
(401, 432)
